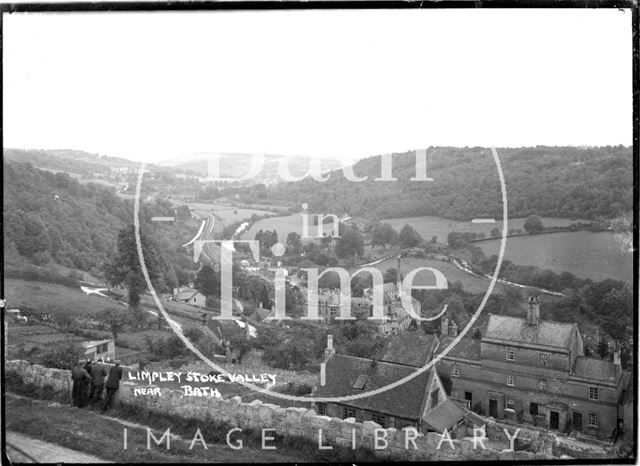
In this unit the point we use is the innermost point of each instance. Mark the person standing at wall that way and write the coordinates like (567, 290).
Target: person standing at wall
(80, 378)
(112, 385)
(98, 373)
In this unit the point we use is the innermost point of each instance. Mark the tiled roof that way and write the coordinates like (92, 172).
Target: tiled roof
(185, 294)
(443, 416)
(260, 314)
(516, 329)
(410, 348)
(467, 348)
(599, 369)
(405, 401)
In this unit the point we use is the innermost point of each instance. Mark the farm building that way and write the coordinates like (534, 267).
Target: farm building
(190, 296)
(101, 349)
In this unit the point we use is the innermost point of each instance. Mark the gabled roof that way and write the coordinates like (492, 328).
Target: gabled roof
(409, 348)
(597, 369)
(261, 314)
(443, 416)
(404, 401)
(517, 330)
(186, 293)
(91, 344)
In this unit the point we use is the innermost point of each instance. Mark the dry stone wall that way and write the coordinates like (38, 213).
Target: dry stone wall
(300, 422)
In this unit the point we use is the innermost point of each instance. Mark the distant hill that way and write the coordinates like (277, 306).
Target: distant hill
(569, 182)
(68, 160)
(235, 165)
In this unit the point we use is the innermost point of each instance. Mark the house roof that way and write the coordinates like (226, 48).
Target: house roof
(443, 416)
(409, 348)
(185, 294)
(91, 344)
(598, 369)
(389, 287)
(517, 330)
(260, 314)
(466, 348)
(404, 401)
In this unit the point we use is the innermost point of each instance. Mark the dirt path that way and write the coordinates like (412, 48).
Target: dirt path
(24, 449)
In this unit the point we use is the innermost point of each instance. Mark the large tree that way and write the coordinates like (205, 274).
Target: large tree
(350, 244)
(409, 237)
(383, 234)
(124, 269)
(533, 224)
(206, 281)
(294, 243)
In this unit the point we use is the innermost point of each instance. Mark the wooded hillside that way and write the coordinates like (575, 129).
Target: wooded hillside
(549, 181)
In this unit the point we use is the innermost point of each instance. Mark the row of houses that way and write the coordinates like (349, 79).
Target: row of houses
(522, 370)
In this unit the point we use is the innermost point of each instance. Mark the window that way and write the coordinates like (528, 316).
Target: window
(455, 372)
(348, 412)
(435, 397)
(510, 381)
(593, 419)
(542, 385)
(542, 359)
(321, 408)
(379, 419)
(360, 382)
(593, 393)
(511, 355)
(533, 409)
(511, 404)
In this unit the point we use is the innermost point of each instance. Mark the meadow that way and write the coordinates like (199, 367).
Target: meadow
(470, 283)
(585, 254)
(229, 214)
(284, 226)
(41, 295)
(440, 227)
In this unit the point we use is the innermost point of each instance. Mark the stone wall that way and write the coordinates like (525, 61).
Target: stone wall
(299, 422)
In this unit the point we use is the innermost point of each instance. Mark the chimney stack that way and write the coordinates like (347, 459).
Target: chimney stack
(616, 354)
(330, 351)
(444, 326)
(323, 374)
(533, 310)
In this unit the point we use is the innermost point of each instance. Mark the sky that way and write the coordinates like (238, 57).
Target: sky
(332, 83)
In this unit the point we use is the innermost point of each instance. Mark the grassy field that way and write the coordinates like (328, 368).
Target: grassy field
(284, 226)
(428, 227)
(41, 295)
(585, 254)
(229, 214)
(451, 272)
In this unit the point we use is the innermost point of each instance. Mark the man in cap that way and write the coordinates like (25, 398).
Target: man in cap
(80, 378)
(98, 373)
(112, 385)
